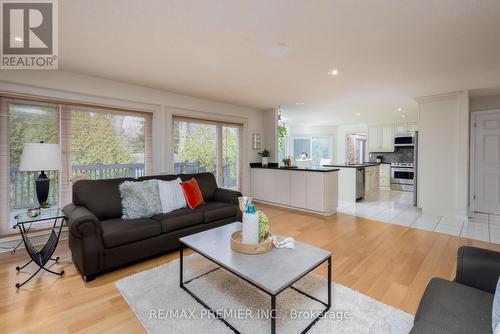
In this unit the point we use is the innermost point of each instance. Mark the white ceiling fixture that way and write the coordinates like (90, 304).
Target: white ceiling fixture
(403, 116)
(276, 54)
(400, 109)
(334, 72)
(299, 103)
(357, 114)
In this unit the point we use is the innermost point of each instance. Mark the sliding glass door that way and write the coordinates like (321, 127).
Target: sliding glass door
(207, 146)
(96, 143)
(230, 157)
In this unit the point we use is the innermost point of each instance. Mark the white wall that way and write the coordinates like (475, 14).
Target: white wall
(270, 134)
(77, 87)
(443, 154)
(481, 103)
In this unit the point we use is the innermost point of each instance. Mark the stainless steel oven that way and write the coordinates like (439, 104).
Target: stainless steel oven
(402, 176)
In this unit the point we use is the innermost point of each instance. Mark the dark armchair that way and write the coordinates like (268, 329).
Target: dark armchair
(463, 305)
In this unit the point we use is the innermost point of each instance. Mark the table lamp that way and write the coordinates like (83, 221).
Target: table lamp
(41, 157)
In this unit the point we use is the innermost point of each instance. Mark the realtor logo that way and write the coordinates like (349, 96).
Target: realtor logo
(29, 34)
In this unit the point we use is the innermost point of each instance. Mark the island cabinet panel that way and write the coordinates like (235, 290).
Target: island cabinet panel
(257, 184)
(298, 189)
(282, 188)
(315, 191)
(308, 190)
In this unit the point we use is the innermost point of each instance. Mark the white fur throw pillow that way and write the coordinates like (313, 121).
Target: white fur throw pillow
(171, 195)
(140, 199)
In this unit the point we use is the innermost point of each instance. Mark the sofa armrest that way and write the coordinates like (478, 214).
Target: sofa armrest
(478, 268)
(81, 222)
(227, 196)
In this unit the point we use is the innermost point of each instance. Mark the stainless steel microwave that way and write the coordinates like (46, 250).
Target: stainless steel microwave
(404, 139)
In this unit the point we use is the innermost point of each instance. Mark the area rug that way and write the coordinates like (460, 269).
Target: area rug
(163, 307)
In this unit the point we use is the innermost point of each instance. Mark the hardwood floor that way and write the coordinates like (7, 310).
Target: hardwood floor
(390, 263)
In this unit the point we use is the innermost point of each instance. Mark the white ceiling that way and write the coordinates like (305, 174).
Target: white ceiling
(263, 53)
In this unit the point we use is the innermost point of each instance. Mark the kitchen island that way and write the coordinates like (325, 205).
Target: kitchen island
(307, 189)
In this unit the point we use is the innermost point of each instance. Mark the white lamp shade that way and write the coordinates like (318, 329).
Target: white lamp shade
(40, 156)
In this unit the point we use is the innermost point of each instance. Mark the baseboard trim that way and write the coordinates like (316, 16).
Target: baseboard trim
(325, 213)
(37, 238)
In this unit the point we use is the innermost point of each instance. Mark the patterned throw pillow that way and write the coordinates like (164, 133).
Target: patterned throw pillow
(140, 199)
(171, 195)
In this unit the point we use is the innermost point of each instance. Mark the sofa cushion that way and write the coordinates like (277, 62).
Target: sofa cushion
(213, 211)
(101, 197)
(451, 307)
(206, 182)
(179, 219)
(116, 232)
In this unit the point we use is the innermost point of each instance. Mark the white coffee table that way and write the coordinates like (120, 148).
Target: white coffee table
(272, 272)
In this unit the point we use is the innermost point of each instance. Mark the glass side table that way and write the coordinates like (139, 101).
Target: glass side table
(41, 257)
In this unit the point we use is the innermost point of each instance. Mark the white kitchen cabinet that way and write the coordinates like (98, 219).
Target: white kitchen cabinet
(388, 138)
(315, 185)
(402, 128)
(406, 127)
(385, 177)
(306, 190)
(372, 179)
(374, 143)
(257, 183)
(381, 138)
(297, 186)
(282, 187)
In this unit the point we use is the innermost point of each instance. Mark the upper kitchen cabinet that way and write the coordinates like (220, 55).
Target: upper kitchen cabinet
(381, 138)
(406, 127)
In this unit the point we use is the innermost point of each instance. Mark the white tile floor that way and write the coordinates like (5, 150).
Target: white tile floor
(396, 207)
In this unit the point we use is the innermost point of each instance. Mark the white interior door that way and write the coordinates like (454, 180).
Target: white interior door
(487, 163)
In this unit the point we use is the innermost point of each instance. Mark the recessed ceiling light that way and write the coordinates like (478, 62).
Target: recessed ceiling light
(334, 72)
(403, 116)
(19, 39)
(400, 109)
(299, 103)
(357, 114)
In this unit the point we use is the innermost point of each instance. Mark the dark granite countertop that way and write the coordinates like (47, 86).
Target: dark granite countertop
(368, 164)
(312, 169)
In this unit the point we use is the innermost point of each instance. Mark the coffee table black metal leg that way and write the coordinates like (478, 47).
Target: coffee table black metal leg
(329, 282)
(273, 314)
(181, 260)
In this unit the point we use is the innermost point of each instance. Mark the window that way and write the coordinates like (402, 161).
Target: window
(30, 123)
(207, 146)
(107, 144)
(316, 148)
(95, 143)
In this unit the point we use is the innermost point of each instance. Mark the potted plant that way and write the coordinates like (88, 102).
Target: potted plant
(265, 157)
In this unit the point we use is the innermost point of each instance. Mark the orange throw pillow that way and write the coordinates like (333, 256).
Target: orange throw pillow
(192, 193)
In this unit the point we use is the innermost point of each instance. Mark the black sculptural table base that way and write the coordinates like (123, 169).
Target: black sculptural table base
(42, 257)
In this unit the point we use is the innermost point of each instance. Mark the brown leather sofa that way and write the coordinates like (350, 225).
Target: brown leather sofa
(100, 240)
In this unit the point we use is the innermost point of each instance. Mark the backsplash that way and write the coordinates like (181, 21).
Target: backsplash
(401, 154)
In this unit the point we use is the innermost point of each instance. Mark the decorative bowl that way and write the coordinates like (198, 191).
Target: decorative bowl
(33, 212)
(241, 247)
